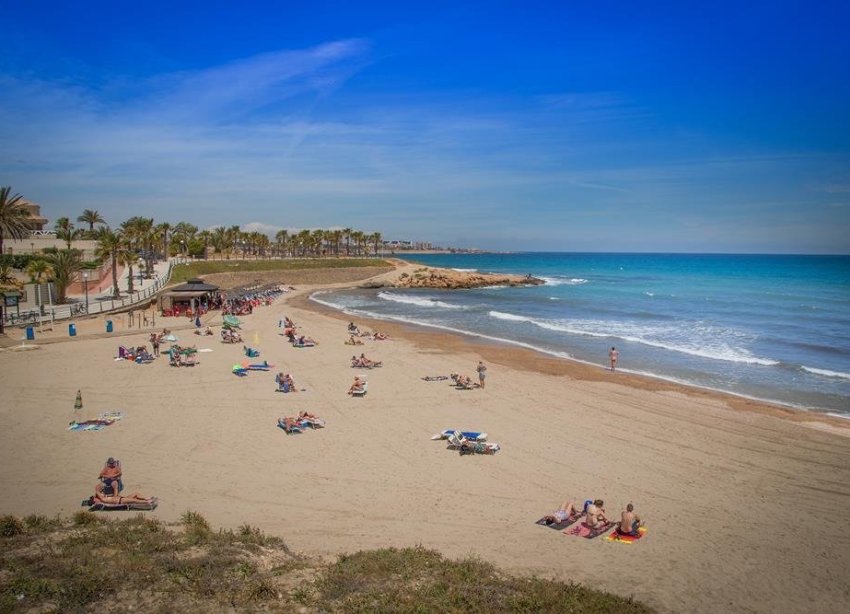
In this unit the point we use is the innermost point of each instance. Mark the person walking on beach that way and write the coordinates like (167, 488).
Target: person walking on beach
(482, 373)
(613, 355)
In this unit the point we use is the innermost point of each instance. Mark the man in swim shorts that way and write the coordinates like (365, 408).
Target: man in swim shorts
(629, 522)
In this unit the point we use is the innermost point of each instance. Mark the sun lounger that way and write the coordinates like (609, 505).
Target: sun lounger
(313, 423)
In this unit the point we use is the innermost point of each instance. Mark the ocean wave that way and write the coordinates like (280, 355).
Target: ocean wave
(563, 281)
(465, 270)
(709, 348)
(826, 372)
(419, 301)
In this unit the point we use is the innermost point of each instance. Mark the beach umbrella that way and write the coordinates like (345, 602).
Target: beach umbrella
(231, 321)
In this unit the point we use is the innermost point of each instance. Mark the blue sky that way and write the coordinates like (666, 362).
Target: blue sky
(573, 126)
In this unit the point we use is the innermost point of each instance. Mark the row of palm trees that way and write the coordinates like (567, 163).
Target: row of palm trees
(140, 238)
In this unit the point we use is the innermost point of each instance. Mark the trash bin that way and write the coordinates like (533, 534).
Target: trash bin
(109, 326)
(30, 333)
(72, 330)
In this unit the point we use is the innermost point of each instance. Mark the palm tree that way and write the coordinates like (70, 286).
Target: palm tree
(347, 232)
(376, 239)
(281, 238)
(7, 277)
(140, 230)
(108, 246)
(66, 263)
(38, 270)
(126, 256)
(161, 231)
(206, 237)
(91, 218)
(358, 236)
(65, 231)
(13, 216)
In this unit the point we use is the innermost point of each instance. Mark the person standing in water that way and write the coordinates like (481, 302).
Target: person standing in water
(613, 355)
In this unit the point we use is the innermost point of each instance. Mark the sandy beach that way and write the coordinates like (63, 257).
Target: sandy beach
(747, 505)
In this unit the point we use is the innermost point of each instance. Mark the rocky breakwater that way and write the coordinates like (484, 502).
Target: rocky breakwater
(448, 279)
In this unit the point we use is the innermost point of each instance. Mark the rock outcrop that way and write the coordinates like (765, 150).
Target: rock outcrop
(449, 279)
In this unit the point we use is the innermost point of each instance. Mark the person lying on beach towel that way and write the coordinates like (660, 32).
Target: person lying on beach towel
(250, 352)
(435, 378)
(376, 336)
(304, 342)
(305, 418)
(289, 425)
(567, 513)
(100, 496)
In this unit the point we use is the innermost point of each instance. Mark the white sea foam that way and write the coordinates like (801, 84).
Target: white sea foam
(706, 345)
(465, 270)
(827, 373)
(563, 281)
(419, 301)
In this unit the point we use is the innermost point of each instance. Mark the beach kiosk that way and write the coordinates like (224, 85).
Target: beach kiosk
(186, 298)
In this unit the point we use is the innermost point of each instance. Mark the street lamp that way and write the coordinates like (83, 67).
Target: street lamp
(86, 284)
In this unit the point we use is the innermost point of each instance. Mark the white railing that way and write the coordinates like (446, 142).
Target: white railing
(99, 305)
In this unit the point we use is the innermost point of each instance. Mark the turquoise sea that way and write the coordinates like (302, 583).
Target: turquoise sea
(770, 327)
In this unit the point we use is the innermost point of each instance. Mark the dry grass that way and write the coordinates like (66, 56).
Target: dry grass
(90, 563)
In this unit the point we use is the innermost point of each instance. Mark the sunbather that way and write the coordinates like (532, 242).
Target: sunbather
(100, 496)
(352, 328)
(567, 511)
(629, 522)
(110, 476)
(357, 386)
(376, 336)
(596, 518)
(303, 340)
(289, 424)
(286, 383)
(353, 341)
(369, 363)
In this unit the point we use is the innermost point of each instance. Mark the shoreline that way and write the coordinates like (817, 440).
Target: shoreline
(520, 358)
(713, 483)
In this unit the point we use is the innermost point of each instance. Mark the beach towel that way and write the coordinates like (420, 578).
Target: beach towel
(113, 507)
(582, 530)
(435, 378)
(96, 424)
(549, 521)
(616, 536)
(473, 435)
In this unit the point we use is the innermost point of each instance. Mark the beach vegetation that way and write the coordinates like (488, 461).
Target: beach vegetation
(88, 562)
(65, 264)
(184, 272)
(90, 217)
(14, 216)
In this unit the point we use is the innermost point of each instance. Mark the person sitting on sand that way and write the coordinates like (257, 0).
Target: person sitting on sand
(376, 336)
(369, 363)
(567, 512)
(353, 341)
(352, 328)
(100, 496)
(356, 362)
(629, 522)
(110, 476)
(596, 518)
(357, 386)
